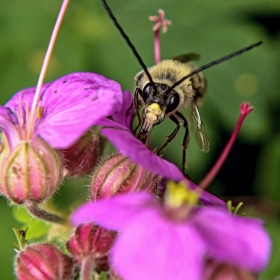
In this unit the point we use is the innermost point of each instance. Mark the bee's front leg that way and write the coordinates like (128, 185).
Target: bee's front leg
(136, 112)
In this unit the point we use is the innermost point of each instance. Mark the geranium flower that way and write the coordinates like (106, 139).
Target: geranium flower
(157, 241)
(39, 122)
(31, 165)
(69, 107)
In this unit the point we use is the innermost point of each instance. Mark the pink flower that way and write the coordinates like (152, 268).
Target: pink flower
(70, 106)
(154, 245)
(31, 166)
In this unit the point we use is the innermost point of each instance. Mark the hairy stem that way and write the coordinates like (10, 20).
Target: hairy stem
(36, 211)
(87, 268)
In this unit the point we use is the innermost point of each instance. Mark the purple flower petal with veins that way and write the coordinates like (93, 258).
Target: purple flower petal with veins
(151, 245)
(70, 106)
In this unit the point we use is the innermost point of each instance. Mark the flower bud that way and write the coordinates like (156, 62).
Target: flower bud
(90, 241)
(4, 148)
(32, 171)
(118, 174)
(44, 262)
(83, 155)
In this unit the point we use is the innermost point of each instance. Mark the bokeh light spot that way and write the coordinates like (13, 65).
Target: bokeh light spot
(246, 84)
(35, 62)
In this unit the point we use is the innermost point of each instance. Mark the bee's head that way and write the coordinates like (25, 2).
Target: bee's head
(168, 101)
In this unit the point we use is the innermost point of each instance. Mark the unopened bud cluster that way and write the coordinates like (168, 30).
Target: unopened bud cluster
(32, 172)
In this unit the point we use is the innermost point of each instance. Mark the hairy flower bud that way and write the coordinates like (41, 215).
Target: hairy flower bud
(4, 148)
(82, 156)
(44, 262)
(91, 243)
(32, 171)
(118, 174)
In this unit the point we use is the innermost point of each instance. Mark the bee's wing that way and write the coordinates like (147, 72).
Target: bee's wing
(184, 58)
(198, 130)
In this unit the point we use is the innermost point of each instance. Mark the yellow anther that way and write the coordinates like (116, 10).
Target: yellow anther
(155, 109)
(178, 194)
(39, 112)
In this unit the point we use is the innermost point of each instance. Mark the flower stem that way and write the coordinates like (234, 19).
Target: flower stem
(245, 110)
(87, 268)
(36, 211)
(31, 122)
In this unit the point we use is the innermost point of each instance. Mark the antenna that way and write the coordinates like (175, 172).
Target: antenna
(107, 8)
(214, 62)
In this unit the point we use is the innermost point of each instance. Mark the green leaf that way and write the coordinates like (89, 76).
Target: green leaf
(36, 228)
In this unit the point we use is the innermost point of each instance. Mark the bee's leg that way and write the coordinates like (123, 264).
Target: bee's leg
(179, 120)
(186, 140)
(172, 135)
(136, 112)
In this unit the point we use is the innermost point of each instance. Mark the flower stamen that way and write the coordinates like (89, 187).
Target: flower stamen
(245, 109)
(32, 119)
(160, 22)
(234, 210)
(179, 194)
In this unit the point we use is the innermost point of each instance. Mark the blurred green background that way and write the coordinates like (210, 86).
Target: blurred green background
(88, 41)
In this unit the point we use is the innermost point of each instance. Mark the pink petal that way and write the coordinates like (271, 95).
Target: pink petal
(235, 240)
(151, 247)
(8, 124)
(130, 146)
(206, 198)
(113, 213)
(71, 105)
(209, 199)
(124, 115)
(25, 95)
(74, 103)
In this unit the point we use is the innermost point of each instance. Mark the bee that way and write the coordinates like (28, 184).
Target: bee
(162, 90)
(160, 101)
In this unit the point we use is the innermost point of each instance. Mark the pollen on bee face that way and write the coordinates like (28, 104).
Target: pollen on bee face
(155, 109)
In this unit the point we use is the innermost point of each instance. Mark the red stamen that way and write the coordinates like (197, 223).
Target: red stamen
(160, 22)
(245, 109)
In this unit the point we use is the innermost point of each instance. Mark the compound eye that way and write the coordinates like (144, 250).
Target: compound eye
(173, 103)
(148, 89)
